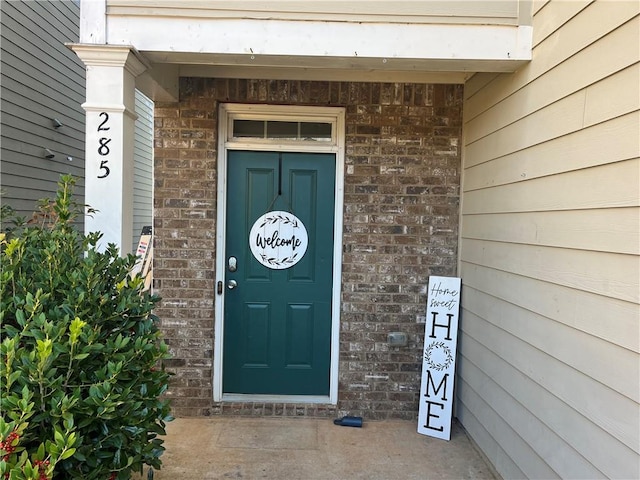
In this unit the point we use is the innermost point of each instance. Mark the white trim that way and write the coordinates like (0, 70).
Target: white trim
(343, 40)
(93, 21)
(236, 397)
(218, 328)
(279, 146)
(334, 115)
(110, 107)
(125, 56)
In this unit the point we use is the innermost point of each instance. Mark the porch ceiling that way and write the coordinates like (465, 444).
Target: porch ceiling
(304, 67)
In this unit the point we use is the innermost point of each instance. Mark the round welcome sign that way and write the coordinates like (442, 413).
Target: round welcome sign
(278, 240)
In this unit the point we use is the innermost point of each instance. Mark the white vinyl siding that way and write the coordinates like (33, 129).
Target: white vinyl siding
(549, 251)
(143, 167)
(41, 80)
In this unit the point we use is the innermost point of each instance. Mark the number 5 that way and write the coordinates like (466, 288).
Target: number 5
(103, 165)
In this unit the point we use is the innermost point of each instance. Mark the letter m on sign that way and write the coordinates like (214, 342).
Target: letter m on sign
(436, 390)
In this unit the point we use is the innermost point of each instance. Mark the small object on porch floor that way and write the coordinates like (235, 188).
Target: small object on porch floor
(348, 421)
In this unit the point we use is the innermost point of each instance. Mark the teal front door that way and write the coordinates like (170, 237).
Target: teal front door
(277, 310)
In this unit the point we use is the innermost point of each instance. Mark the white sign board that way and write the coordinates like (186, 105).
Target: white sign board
(439, 357)
(278, 240)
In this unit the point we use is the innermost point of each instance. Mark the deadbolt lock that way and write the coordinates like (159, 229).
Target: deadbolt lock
(233, 264)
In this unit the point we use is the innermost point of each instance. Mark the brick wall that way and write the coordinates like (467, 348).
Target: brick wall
(401, 225)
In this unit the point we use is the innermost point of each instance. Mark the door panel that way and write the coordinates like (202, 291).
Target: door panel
(299, 343)
(277, 323)
(256, 341)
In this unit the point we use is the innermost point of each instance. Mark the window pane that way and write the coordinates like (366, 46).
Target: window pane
(248, 128)
(305, 131)
(288, 130)
(315, 131)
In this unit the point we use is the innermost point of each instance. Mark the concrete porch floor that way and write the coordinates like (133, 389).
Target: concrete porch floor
(302, 448)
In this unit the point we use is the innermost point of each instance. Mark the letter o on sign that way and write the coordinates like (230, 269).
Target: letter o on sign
(278, 240)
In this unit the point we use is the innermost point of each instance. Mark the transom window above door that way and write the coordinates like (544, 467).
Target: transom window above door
(282, 130)
(286, 126)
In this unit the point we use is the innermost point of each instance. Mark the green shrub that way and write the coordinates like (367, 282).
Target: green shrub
(81, 371)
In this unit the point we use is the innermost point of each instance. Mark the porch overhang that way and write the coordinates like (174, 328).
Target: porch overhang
(313, 50)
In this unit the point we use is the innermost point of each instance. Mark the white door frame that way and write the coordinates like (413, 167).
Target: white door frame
(227, 113)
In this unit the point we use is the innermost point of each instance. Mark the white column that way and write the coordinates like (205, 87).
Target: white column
(110, 114)
(93, 21)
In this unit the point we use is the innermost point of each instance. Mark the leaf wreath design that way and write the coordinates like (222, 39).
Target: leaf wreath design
(274, 261)
(434, 365)
(281, 218)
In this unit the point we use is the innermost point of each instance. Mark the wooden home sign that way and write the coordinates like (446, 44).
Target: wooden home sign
(439, 357)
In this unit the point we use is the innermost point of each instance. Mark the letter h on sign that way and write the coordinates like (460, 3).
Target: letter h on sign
(447, 325)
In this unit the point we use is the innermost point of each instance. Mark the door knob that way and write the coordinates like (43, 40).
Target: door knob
(231, 284)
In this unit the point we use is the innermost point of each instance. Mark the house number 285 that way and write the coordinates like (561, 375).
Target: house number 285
(103, 145)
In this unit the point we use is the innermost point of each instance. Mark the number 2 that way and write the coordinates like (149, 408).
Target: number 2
(102, 127)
